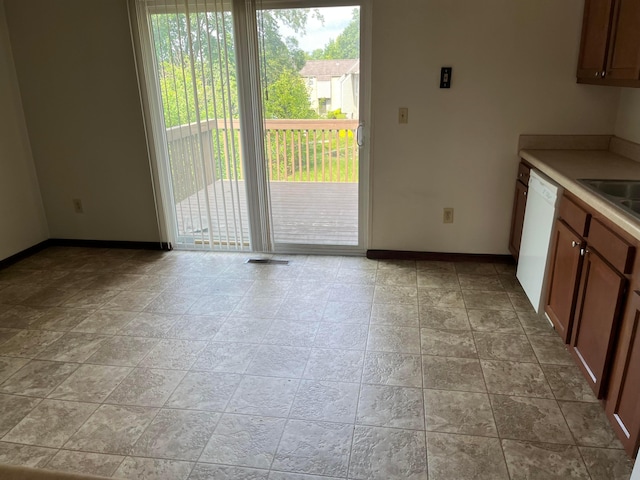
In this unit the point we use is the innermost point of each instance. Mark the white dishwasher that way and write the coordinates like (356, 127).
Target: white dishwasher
(539, 217)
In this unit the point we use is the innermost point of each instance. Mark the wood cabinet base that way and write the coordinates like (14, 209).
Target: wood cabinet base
(622, 404)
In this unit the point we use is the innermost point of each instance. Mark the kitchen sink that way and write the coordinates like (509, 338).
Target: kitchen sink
(633, 205)
(629, 189)
(625, 194)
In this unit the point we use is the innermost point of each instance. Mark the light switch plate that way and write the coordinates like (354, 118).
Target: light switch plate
(445, 77)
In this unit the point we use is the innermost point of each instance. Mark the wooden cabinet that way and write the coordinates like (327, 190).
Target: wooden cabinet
(600, 300)
(592, 266)
(586, 288)
(622, 403)
(623, 58)
(596, 25)
(566, 264)
(519, 206)
(610, 46)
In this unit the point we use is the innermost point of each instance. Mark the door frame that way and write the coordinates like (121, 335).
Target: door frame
(252, 140)
(364, 152)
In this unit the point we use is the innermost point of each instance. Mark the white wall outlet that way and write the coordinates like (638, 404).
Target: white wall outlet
(77, 205)
(403, 115)
(447, 215)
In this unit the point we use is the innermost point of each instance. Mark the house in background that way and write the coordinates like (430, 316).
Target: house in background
(333, 85)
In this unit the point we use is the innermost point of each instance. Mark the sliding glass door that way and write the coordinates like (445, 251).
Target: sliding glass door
(310, 73)
(256, 116)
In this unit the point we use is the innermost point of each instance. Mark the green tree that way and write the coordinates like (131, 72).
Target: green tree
(210, 98)
(278, 54)
(196, 50)
(288, 98)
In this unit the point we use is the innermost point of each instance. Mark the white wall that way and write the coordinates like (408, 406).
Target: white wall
(628, 121)
(514, 69)
(22, 220)
(76, 72)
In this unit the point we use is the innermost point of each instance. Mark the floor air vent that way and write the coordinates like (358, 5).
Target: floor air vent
(268, 261)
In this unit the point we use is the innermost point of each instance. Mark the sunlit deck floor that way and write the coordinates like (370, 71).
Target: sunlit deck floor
(303, 212)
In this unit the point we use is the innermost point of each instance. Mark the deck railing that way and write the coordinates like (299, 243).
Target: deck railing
(295, 150)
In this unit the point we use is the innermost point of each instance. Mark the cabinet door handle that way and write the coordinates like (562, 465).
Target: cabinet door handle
(597, 74)
(603, 74)
(524, 193)
(575, 244)
(582, 252)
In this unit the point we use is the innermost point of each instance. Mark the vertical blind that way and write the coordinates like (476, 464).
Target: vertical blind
(192, 45)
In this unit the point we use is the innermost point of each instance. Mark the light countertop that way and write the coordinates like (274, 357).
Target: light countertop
(566, 166)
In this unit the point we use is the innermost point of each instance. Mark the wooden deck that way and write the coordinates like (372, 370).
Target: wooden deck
(302, 212)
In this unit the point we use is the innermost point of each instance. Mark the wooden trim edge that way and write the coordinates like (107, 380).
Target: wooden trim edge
(63, 242)
(27, 252)
(610, 82)
(70, 242)
(438, 256)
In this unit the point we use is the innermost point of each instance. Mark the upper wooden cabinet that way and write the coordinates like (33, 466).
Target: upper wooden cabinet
(596, 26)
(610, 47)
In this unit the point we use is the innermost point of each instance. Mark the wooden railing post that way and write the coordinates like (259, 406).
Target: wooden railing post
(299, 154)
(278, 154)
(207, 154)
(315, 153)
(354, 155)
(307, 135)
(269, 159)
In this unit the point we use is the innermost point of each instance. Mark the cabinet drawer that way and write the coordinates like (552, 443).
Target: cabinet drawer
(574, 216)
(616, 250)
(523, 173)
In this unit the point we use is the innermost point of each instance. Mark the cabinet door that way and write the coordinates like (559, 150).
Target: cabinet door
(623, 59)
(622, 406)
(596, 26)
(517, 218)
(599, 306)
(566, 263)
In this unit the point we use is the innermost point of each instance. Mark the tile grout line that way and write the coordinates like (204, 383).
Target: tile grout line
(493, 414)
(300, 380)
(364, 361)
(423, 390)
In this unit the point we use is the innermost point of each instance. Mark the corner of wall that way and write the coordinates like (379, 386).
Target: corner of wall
(628, 118)
(23, 219)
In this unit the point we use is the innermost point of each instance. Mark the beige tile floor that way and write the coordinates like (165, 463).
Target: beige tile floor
(148, 365)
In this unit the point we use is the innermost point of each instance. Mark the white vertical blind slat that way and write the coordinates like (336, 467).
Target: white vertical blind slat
(220, 226)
